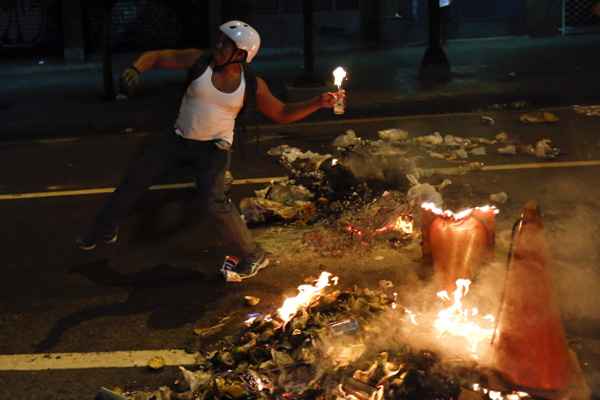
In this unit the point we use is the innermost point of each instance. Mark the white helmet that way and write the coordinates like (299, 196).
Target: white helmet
(244, 36)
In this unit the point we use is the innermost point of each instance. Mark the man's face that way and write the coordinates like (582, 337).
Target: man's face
(224, 49)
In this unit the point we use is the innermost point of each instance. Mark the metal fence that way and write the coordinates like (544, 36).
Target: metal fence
(578, 18)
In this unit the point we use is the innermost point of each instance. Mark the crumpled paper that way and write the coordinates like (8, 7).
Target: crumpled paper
(538, 117)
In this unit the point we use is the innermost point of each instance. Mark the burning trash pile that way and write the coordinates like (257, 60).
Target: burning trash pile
(388, 219)
(368, 190)
(324, 343)
(362, 344)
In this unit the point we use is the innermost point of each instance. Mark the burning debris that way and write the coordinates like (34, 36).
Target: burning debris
(321, 344)
(332, 344)
(387, 219)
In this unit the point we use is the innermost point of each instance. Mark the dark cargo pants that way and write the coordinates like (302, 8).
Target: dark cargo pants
(209, 165)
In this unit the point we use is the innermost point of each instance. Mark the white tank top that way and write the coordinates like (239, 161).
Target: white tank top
(206, 113)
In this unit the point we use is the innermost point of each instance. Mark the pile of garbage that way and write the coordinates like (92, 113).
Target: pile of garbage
(324, 186)
(330, 347)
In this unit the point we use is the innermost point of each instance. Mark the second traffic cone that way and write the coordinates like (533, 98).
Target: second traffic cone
(529, 348)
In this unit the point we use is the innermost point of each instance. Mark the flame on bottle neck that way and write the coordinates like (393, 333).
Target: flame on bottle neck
(339, 74)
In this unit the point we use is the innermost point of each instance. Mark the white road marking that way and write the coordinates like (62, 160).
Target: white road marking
(554, 164)
(110, 190)
(108, 359)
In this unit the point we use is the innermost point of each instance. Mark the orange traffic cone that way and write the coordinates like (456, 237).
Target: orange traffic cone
(529, 348)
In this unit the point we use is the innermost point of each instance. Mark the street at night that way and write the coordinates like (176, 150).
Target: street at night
(515, 126)
(160, 281)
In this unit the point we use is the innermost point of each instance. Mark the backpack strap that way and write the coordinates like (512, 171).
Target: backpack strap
(249, 105)
(251, 88)
(197, 69)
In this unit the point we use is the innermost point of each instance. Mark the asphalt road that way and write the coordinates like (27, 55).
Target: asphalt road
(160, 281)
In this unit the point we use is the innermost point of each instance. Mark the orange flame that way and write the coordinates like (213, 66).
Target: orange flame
(497, 395)
(459, 215)
(303, 299)
(400, 224)
(456, 321)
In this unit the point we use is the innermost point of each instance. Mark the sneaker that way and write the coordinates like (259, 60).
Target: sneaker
(90, 240)
(248, 268)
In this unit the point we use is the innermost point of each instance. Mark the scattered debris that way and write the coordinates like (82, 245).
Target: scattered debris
(453, 141)
(510, 149)
(461, 153)
(429, 141)
(424, 193)
(156, 362)
(205, 332)
(502, 137)
(499, 197)
(487, 121)
(538, 117)
(346, 140)
(588, 110)
(251, 301)
(385, 284)
(394, 135)
(232, 276)
(543, 149)
(478, 151)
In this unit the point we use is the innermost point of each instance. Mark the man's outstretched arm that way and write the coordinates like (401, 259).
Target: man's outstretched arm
(285, 113)
(167, 59)
(157, 58)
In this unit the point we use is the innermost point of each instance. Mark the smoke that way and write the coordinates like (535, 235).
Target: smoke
(380, 160)
(573, 243)
(570, 214)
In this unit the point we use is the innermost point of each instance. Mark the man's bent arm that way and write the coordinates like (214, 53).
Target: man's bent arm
(285, 113)
(167, 59)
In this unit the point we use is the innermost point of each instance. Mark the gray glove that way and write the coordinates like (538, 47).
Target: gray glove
(128, 80)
